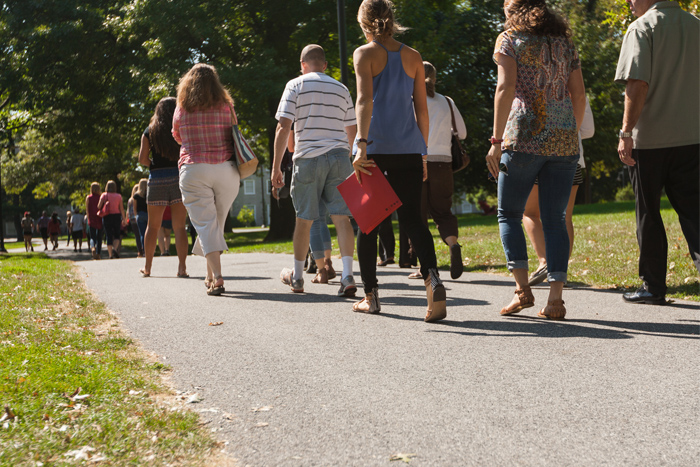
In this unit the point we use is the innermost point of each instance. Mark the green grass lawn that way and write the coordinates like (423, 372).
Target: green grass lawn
(605, 248)
(55, 340)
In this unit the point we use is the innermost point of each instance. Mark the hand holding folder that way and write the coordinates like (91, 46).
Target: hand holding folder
(371, 202)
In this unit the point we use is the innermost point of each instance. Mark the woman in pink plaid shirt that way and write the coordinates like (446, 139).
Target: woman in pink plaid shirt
(208, 177)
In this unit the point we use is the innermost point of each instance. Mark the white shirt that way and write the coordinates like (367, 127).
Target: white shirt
(587, 131)
(320, 108)
(440, 135)
(77, 221)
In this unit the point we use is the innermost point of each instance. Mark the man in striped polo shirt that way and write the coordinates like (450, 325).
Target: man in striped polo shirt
(323, 115)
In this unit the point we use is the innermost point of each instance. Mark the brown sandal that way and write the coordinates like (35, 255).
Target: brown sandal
(555, 310)
(321, 277)
(525, 300)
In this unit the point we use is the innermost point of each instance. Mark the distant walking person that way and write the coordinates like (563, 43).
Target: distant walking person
(160, 152)
(439, 187)
(69, 227)
(141, 209)
(95, 227)
(393, 127)
(43, 226)
(27, 229)
(133, 222)
(660, 136)
(54, 230)
(538, 109)
(115, 218)
(209, 179)
(323, 115)
(77, 230)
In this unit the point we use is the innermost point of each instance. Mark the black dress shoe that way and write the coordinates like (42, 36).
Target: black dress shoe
(642, 295)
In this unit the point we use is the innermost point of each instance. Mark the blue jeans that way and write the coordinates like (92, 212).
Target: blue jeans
(315, 181)
(556, 175)
(96, 238)
(320, 236)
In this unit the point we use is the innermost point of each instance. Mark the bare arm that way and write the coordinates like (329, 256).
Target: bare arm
(420, 97)
(635, 96)
(578, 96)
(351, 131)
(363, 108)
(505, 93)
(290, 143)
(144, 152)
(284, 127)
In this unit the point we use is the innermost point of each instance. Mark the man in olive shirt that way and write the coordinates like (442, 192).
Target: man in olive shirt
(660, 136)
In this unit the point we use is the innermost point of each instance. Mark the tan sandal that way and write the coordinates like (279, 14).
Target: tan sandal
(524, 299)
(328, 266)
(370, 304)
(555, 310)
(437, 297)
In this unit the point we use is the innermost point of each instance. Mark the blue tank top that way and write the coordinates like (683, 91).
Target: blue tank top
(393, 129)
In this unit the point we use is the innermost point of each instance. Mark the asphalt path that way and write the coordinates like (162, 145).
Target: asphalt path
(300, 380)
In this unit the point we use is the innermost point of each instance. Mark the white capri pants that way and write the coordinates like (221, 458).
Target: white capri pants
(208, 191)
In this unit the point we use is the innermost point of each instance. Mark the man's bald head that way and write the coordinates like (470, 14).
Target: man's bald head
(314, 57)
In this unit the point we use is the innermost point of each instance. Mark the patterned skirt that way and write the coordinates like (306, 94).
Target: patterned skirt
(164, 187)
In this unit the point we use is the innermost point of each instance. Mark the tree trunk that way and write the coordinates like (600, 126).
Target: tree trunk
(282, 215)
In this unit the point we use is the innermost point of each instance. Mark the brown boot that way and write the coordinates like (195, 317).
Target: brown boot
(370, 304)
(437, 298)
(523, 299)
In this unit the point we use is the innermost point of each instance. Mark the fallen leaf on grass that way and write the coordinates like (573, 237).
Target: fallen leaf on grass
(216, 324)
(266, 408)
(8, 415)
(76, 396)
(402, 457)
(85, 453)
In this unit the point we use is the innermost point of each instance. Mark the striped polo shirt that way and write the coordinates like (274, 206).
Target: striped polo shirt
(320, 108)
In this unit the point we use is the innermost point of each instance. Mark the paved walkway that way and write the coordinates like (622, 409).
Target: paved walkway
(299, 379)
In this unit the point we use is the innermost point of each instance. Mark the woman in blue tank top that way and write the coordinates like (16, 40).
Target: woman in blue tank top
(392, 122)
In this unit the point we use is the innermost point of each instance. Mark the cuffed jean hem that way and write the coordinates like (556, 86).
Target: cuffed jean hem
(518, 264)
(557, 277)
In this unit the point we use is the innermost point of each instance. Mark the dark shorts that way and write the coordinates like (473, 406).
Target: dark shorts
(164, 188)
(44, 232)
(578, 176)
(167, 224)
(77, 234)
(28, 234)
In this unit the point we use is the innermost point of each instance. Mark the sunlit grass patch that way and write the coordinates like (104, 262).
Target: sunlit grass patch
(74, 386)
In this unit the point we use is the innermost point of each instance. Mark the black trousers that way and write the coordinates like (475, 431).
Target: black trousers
(405, 175)
(387, 242)
(675, 170)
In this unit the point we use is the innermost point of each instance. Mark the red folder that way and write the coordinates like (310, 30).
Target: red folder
(371, 202)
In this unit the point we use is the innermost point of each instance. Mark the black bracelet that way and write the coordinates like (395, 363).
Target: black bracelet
(363, 140)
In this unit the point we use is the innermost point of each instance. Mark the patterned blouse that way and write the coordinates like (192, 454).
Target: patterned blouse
(541, 119)
(205, 136)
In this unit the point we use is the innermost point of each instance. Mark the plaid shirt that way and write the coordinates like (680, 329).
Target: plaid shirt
(205, 136)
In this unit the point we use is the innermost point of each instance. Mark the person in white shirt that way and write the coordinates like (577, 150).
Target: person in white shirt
(77, 226)
(323, 115)
(531, 216)
(438, 186)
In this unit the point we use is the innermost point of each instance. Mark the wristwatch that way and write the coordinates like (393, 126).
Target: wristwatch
(625, 134)
(494, 140)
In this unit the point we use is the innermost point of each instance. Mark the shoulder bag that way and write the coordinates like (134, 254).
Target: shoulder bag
(460, 158)
(245, 159)
(105, 208)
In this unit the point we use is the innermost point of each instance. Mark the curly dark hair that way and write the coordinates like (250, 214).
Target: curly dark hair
(159, 129)
(533, 17)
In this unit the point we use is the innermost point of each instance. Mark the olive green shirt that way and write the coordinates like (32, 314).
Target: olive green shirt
(662, 48)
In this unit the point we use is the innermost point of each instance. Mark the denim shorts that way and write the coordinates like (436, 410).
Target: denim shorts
(315, 180)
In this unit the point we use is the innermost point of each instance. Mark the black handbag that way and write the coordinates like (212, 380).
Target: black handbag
(460, 158)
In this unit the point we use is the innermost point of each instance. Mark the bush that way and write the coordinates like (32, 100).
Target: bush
(626, 193)
(246, 216)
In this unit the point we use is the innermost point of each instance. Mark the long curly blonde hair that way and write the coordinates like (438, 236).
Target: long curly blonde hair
(200, 89)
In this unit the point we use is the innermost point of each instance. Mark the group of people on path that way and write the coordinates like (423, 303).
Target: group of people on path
(49, 227)
(402, 126)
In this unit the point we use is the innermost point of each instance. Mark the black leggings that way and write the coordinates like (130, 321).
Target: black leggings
(405, 175)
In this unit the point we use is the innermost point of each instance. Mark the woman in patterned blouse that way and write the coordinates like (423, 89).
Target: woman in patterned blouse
(538, 110)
